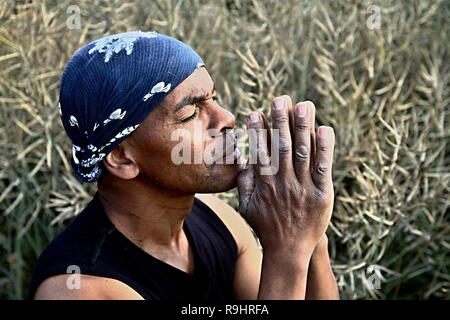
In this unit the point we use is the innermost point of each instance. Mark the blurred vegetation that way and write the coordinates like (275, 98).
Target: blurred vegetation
(384, 91)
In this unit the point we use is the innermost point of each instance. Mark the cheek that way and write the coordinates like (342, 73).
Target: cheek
(194, 137)
(161, 156)
(154, 149)
(169, 152)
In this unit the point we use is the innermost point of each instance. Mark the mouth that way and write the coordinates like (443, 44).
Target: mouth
(231, 153)
(224, 151)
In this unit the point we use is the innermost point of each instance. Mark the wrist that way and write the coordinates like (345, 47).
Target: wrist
(292, 260)
(282, 277)
(320, 251)
(322, 245)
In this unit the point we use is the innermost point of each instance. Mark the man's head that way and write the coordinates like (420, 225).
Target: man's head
(149, 154)
(122, 99)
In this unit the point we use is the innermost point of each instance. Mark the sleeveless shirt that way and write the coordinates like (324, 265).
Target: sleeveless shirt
(92, 245)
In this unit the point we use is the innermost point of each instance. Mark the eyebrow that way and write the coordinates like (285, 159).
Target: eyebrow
(192, 99)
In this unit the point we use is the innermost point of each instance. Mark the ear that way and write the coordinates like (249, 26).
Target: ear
(121, 163)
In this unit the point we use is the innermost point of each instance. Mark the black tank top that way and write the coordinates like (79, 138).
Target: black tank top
(93, 244)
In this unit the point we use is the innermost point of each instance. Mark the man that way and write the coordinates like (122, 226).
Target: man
(153, 230)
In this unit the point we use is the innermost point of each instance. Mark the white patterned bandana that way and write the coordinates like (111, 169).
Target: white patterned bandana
(110, 86)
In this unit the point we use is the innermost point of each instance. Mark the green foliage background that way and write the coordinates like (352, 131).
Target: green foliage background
(384, 91)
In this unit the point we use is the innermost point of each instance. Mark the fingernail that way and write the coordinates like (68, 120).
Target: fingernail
(324, 132)
(301, 110)
(278, 104)
(254, 117)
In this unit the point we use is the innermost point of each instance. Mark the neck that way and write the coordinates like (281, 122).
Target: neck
(149, 216)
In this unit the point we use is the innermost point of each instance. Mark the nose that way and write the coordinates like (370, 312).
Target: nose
(221, 119)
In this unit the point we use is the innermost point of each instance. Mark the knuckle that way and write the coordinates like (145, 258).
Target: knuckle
(280, 116)
(321, 198)
(302, 125)
(302, 152)
(284, 146)
(322, 168)
(323, 148)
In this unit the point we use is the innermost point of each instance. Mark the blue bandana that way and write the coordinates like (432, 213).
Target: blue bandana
(110, 86)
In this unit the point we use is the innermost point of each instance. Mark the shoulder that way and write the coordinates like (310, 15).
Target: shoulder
(234, 222)
(86, 287)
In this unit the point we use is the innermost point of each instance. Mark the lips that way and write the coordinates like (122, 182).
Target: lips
(230, 149)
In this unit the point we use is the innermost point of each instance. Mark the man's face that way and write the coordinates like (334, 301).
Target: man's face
(203, 126)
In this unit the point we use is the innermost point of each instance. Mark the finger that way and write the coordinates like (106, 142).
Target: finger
(269, 136)
(259, 154)
(280, 122)
(324, 158)
(302, 147)
(312, 119)
(246, 185)
(291, 118)
(291, 111)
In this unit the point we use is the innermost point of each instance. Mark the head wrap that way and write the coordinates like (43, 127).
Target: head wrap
(110, 86)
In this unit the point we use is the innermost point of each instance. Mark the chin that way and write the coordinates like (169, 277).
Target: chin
(222, 178)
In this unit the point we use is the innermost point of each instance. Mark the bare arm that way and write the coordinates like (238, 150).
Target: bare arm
(248, 263)
(321, 283)
(283, 278)
(91, 288)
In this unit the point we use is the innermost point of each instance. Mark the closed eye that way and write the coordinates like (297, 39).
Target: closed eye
(215, 98)
(192, 116)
